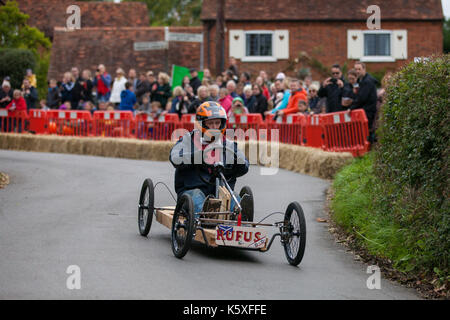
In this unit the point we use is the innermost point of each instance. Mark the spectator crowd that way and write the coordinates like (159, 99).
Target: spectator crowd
(238, 92)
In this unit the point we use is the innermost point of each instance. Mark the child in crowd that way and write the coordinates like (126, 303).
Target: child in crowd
(156, 109)
(43, 105)
(30, 76)
(110, 106)
(127, 98)
(102, 105)
(66, 106)
(89, 106)
(303, 107)
(145, 106)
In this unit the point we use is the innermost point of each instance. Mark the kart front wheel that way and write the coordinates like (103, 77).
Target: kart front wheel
(247, 204)
(146, 207)
(294, 233)
(182, 226)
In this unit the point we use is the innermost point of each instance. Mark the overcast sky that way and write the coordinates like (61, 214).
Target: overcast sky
(446, 7)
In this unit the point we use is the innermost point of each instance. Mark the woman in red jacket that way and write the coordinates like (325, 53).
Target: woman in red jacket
(17, 104)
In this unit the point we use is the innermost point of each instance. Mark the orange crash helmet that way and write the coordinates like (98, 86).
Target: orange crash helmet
(211, 110)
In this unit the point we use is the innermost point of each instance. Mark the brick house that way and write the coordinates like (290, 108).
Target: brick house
(114, 34)
(48, 14)
(141, 48)
(288, 35)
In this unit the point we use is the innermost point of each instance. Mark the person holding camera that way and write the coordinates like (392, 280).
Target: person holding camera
(332, 89)
(102, 82)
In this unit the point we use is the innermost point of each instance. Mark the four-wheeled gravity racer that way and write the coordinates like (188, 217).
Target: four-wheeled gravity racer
(217, 225)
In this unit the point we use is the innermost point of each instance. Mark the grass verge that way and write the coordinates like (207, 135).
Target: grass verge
(375, 235)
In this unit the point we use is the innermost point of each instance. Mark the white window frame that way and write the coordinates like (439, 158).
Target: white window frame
(378, 58)
(259, 58)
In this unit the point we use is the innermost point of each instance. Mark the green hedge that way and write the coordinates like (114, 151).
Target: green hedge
(412, 160)
(395, 200)
(14, 63)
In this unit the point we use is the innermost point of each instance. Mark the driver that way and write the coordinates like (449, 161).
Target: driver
(195, 154)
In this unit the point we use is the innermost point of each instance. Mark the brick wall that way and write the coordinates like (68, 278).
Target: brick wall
(327, 42)
(113, 47)
(47, 14)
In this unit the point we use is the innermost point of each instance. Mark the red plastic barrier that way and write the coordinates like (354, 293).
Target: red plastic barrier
(38, 121)
(314, 135)
(160, 128)
(113, 124)
(187, 121)
(248, 123)
(346, 132)
(13, 121)
(69, 122)
(291, 128)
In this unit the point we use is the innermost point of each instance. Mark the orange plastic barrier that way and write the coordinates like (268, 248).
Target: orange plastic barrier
(248, 123)
(38, 121)
(291, 128)
(69, 123)
(113, 124)
(314, 135)
(160, 128)
(346, 132)
(187, 121)
(13, 121)
(339, 132)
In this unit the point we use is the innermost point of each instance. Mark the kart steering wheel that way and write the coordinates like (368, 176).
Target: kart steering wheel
(218, 167)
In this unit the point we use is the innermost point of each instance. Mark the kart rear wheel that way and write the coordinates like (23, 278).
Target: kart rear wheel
(146, 207)
(294, 233)
(248, 208)
(182, 226)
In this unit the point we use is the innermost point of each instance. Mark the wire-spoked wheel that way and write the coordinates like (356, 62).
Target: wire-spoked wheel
(294, 233)
(146, 207)
(182, 226)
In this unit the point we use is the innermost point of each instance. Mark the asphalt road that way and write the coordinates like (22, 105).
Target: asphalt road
(62, 210)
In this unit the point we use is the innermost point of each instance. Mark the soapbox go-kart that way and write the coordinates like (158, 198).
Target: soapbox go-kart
(217, 225)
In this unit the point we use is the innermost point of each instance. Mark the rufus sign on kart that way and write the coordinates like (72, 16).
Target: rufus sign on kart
(236, 236)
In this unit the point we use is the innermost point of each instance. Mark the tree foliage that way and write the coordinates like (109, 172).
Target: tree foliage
(14, 62)
(15, 33)
(23, 47)
(173, 12)
(447, 35)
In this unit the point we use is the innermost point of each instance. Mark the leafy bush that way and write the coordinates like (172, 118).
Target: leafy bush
(412, 161)
(395, 199)
(41, 75)
(14, 63)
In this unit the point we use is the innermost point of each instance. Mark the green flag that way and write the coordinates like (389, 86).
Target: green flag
(178, 73)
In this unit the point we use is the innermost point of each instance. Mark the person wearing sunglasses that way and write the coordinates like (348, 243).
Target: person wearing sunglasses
(332, 88)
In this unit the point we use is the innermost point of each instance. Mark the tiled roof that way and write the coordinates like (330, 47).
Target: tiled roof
(347, 10)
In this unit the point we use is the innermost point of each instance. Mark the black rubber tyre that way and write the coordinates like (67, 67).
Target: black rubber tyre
(182, 226)
(146, 207)
(249, 216)
(294, 238)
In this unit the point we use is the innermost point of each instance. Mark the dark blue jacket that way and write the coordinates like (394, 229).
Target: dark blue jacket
(187, 173)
